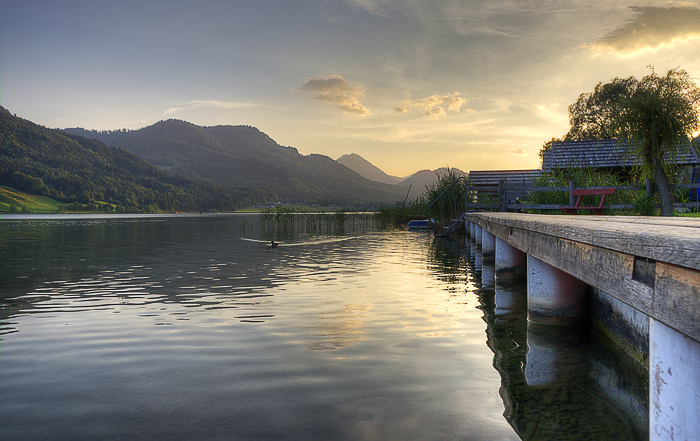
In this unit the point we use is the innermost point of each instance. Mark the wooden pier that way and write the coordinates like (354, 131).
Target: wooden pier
(651, 264)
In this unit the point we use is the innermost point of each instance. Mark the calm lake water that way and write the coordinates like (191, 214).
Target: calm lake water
(191, 328)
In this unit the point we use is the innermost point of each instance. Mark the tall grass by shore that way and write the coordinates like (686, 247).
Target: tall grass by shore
(451, 204)
(289, 221)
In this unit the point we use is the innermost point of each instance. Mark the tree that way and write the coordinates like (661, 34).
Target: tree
(657, 119)
(591, 115)
(656, 116)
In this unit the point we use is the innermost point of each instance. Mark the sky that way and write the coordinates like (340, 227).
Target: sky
(408, 85)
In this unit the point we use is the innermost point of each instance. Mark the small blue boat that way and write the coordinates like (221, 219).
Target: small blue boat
(419, 224)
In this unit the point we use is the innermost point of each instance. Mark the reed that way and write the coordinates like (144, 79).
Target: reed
(448, 207)
(286, 221)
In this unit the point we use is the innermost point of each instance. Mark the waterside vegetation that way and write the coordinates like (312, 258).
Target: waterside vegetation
(287, 221)
(656, 116)
(449, 206)
(637, 200)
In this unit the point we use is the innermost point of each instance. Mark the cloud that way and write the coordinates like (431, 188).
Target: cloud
(215, 104)
(495, 18)
(371, 6)
(436, 106)
(519, 152)
(650, 28)
(334, 89)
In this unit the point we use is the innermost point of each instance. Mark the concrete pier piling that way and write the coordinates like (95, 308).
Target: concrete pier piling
(510, 262)
(488, 246)
(674, 384)
(510, 300)
(651, 265)
(553, 296)
(546, 361)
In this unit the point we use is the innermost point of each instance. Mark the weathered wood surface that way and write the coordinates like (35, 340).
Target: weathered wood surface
(601, 251)
(673, 240)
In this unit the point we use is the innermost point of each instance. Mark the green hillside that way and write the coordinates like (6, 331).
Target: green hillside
(75, 170)
(230, 156)
(16, 201)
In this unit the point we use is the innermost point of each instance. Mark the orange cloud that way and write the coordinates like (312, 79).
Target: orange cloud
(650, 28)
(337, 90)
(436, 106)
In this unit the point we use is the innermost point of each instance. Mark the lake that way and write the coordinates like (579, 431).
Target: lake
(194, 328)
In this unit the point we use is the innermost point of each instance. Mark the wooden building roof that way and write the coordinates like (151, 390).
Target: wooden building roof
(512, 177)
(605, 153)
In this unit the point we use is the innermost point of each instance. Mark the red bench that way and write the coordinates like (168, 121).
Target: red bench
(603, 192)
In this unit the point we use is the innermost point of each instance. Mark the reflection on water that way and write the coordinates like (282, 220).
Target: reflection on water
(558, 383)
(194, 328)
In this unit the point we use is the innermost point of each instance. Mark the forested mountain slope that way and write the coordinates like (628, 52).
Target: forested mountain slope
(70, 168)
(244, 156)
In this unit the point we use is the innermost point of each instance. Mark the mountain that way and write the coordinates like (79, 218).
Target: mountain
(359, 164)
(243, 156)
(423, 178)
(418, 180)
(72, 168)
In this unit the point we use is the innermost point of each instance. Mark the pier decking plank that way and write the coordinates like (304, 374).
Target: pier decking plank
(671, 240)
(601, 251)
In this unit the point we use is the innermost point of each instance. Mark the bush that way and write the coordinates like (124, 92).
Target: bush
(644, 206)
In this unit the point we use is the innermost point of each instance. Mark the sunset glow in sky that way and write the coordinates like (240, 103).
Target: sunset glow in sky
(408, 85)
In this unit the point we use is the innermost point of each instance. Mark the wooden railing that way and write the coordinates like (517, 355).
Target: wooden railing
(505, 198)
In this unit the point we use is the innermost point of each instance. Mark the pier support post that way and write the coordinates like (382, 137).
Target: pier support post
(477, 235)
(510, 261)
(478, 260)
(547, 358)
(510, 300)
(674, 382)
(488, 246)
(488, 278)
(553, 296)
(472, 230)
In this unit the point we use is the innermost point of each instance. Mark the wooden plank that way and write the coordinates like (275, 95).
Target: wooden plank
(608, 270)
(676, 240)
(533, 206)
(687, 186)
(549, 189)
(591, 250)
(502, 199)
(558, 224)
(677, 298)
(526, 206)
(593, 191)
